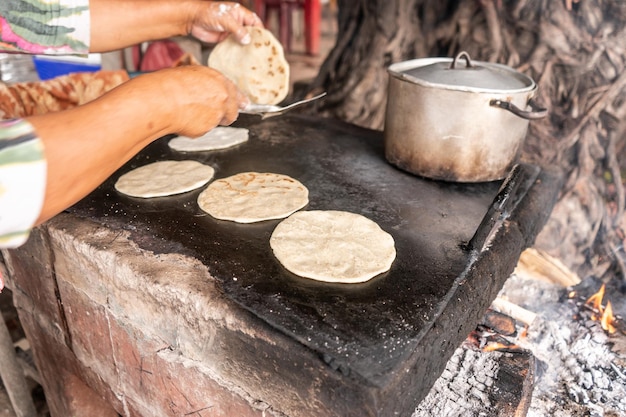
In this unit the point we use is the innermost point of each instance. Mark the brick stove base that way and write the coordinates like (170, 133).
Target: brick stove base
(111, 335)
(98, 361)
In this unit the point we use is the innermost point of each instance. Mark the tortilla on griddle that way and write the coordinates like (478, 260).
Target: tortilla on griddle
(220, 137)
(259, 68)
(163, 178)
(333, 246)
(251, 197)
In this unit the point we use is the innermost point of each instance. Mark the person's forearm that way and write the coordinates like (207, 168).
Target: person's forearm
(117, 24)
(85, 145)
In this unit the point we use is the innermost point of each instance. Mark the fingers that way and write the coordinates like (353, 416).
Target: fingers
(217, 20)
(242, 100)
(234, 19)
(207, 98)
(231, 25)
(229, 118)
(230, 110)
(243, 16)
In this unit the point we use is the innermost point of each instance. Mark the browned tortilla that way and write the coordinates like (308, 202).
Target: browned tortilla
(259, 69)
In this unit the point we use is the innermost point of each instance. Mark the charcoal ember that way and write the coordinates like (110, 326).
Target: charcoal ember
(499, 323)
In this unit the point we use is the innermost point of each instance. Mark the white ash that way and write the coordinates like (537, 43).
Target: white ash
(583, 375)
(462, 389)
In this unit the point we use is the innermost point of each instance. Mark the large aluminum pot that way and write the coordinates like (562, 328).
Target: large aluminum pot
(457, 121)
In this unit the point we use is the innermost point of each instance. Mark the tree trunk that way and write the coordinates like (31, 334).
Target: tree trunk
(573, 49)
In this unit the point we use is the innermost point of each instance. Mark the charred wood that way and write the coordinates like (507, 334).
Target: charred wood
(479, 383)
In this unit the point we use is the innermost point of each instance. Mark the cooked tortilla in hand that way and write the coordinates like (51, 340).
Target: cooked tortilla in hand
(333, 246)
(259, 69)
(251, 197)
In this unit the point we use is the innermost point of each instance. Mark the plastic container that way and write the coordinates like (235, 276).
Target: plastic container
(54, 66)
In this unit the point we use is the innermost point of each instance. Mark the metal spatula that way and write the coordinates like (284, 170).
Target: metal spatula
(268, 110)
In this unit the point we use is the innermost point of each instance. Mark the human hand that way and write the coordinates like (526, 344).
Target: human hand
(213, 21)
(192, 99)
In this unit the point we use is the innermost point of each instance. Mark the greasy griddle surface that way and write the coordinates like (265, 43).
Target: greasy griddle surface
(367, 329)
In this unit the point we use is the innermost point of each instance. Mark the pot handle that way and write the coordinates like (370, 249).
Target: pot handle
(462, 54)
(536, 113)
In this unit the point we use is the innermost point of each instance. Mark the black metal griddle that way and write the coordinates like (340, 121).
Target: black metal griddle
(456, 244)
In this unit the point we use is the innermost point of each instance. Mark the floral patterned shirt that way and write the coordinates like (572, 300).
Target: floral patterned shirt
(49, 27)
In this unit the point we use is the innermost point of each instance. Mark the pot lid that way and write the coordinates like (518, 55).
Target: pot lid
(470, 74)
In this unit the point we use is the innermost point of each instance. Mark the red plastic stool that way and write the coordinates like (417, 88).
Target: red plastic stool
(312, 17)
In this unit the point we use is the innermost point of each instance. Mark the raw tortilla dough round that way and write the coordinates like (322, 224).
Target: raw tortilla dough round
(333, 246)
(164, 178)
(259, 68)
(251, 197)
(221, 137)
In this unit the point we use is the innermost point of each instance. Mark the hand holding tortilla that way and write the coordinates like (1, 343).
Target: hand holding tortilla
(121, 23)
(214, 20)
(259, 68)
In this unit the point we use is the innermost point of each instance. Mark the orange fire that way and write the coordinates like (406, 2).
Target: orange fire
(498, 346)
(601, 314)
(595, 302)
(608, 319)
(524, 333)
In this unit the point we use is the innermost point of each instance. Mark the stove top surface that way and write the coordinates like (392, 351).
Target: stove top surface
(370, 330)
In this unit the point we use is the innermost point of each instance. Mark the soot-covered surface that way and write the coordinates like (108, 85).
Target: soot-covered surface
(366, 329)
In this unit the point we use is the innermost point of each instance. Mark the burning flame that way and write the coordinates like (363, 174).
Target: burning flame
(608, 319)
(498, 346)
(601, 314)
(595, 301)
